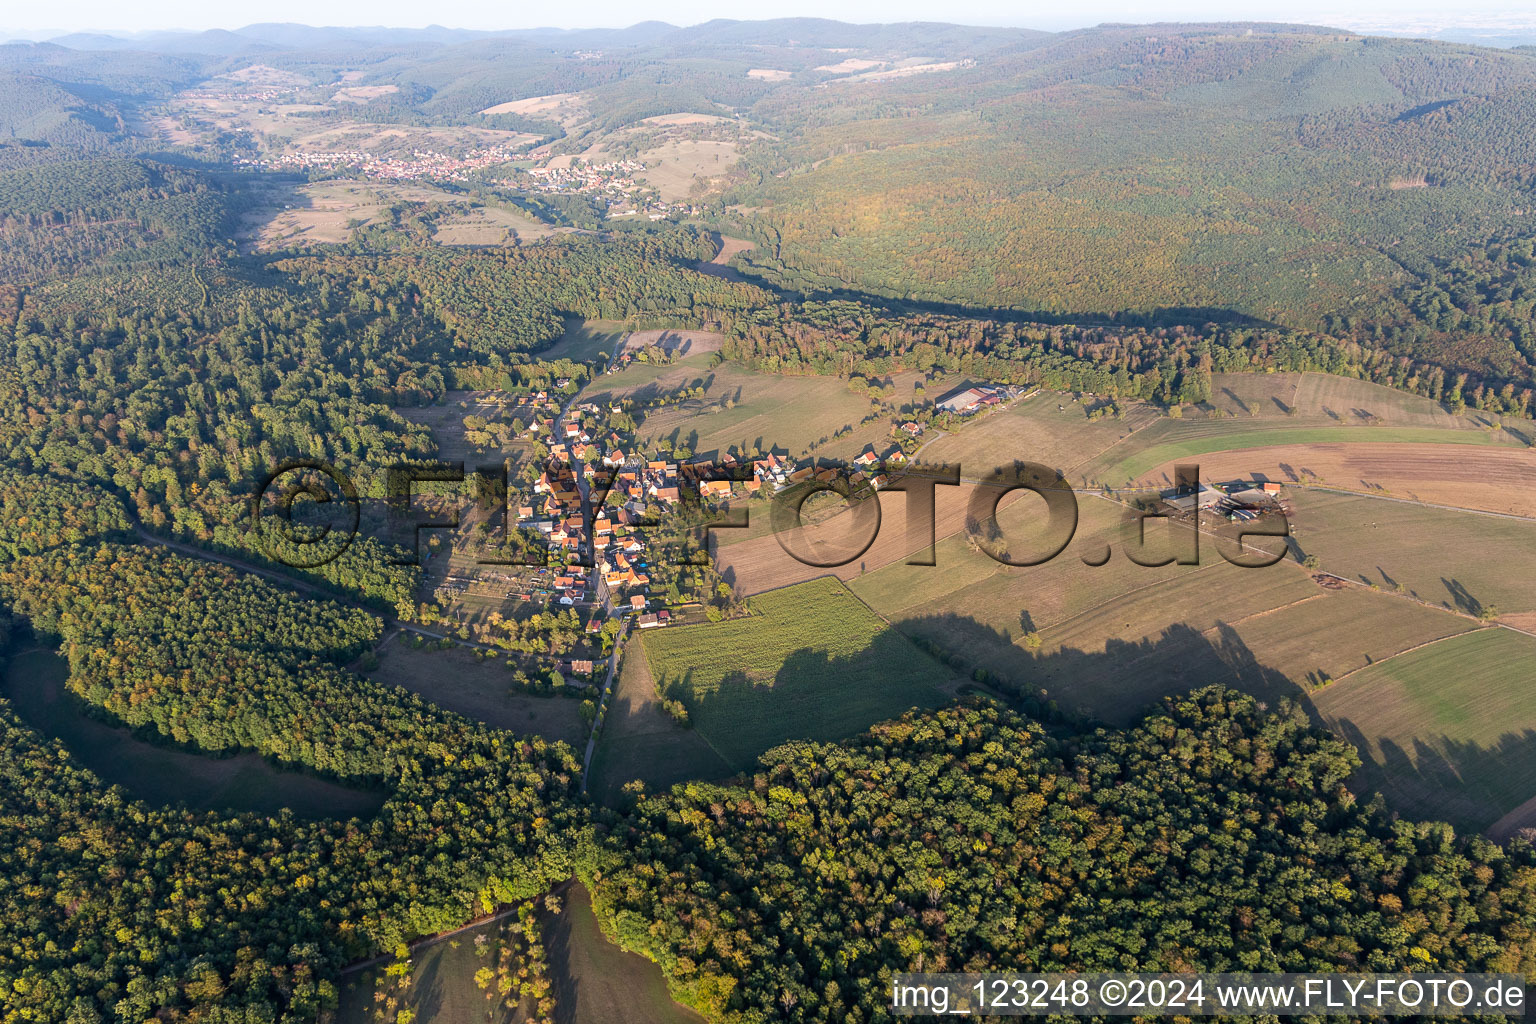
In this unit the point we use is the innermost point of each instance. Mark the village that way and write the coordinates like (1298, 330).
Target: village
(611, 185)
(419, 165)
(587, 517)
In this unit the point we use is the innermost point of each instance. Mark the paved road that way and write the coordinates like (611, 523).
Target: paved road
(602, 703)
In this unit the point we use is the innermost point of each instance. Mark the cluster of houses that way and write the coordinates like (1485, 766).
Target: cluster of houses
(625, 486)
(613, 183)
(420, 164)
(585, 177)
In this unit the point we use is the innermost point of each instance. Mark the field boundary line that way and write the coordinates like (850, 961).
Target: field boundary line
(1407, 650)
(1414, 501)
(1118, 441)
(692, 727)
(1263, 612)
(1123, 594)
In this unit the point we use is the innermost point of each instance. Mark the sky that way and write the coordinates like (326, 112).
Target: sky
(39, 20)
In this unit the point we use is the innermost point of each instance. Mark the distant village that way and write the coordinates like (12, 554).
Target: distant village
(611, 184)
(420, 164)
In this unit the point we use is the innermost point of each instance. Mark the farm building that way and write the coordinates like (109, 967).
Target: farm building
(968, 400)
(1188, 499)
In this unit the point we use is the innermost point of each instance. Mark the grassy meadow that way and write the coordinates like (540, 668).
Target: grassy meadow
(1448, 731)
(1456, 560)
(810, 662)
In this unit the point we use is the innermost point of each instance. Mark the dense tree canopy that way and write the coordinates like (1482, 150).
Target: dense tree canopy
(1209, 837)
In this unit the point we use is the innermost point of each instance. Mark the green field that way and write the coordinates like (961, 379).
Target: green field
(1182, 439)
(811, 662)
(1447, 731)
(1458, 560)
(35, 688)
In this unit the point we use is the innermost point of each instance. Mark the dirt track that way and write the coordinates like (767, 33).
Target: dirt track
(1487, 478)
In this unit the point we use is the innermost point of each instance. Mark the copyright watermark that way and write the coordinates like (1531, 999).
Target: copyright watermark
(1208, 995)
(306, 513)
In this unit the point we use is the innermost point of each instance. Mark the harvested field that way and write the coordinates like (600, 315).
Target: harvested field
(769, 74)
(1448, 731)
(595, 982)
(720, 266)
(1049, 428)
(294, 213)
(761, 563)
(1314, 398)
(1458, 560)
(1013, 600)
(493, 226)
(851, 64)
(805, 416)
(362, 93)
(565, 108)
(446, 422)
(684, 343)
(903, 71)
(678, 168)
(1114, 637)
(1487, 476)
(1295, 414)
(1146, 456)
(586, 340)
(642, 741)
(1269, 631)
(643, 381)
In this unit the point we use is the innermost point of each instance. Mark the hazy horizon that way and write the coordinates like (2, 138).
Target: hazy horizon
(177, 16)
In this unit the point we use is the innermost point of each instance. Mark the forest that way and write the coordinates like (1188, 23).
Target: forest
(1210, 836)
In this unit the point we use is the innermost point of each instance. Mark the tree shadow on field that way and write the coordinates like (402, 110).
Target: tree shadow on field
(1468, 784)
(1115, 685)
(1462, 597)
(924, 662)
(815, 694)
(427, 990)
(1235, 400)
